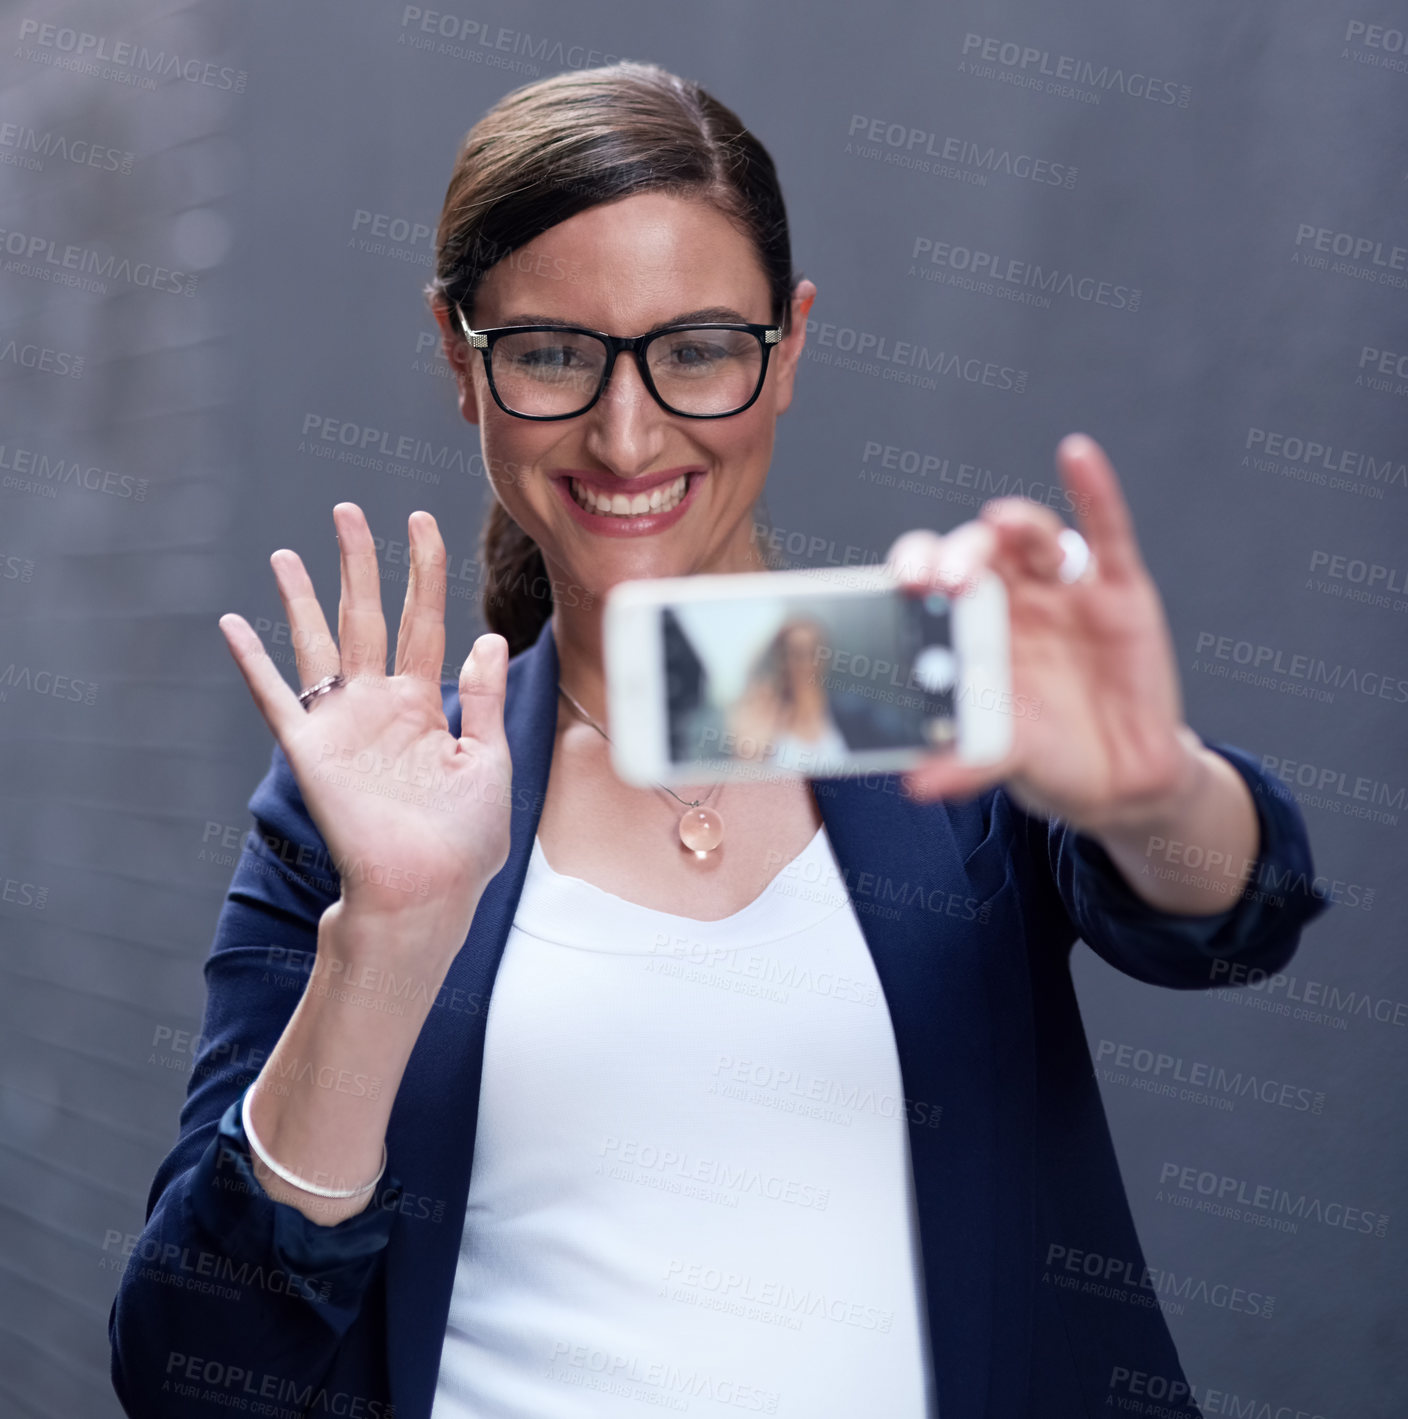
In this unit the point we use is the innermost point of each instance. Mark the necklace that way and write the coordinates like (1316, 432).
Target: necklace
(701, 829)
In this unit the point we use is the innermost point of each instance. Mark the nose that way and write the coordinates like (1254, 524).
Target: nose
(626, 428)
(627, 384)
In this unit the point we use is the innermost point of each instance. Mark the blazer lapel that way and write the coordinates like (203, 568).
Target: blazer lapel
(932, 942)
(430, 1139)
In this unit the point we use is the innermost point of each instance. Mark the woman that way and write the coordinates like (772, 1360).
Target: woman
(783, 715)
(805, 1124)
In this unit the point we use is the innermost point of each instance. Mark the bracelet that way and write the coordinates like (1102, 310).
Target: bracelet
(293, 1178)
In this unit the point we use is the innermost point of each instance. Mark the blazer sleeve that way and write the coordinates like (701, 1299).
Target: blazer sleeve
(226, 1287)
(1258, 932)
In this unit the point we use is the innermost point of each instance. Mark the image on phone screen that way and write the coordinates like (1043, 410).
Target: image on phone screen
(802, 683)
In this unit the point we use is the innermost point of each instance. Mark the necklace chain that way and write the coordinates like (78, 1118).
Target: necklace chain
(571, 701)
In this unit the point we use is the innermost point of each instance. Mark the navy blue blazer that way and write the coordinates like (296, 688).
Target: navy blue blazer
(1038, 1298)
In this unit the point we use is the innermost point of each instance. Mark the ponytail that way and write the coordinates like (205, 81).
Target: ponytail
(517, 594)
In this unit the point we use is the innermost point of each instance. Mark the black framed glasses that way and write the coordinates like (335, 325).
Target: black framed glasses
(559, 371)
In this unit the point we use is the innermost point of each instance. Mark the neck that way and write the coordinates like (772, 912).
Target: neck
(577, 630)
(576, 626)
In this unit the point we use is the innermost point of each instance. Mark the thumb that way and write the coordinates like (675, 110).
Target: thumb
(483, 684)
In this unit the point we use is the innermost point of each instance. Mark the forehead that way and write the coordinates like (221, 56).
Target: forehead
(624, 266)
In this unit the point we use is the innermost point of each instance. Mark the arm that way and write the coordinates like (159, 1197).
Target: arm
(1260, 906)
(222, 1272)
(1102, 747)
(1207, 827)
(236, 1266)
(360, 875)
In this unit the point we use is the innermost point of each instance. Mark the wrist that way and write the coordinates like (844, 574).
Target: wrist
(361, 950)
(1165, 813)
(1196, 848)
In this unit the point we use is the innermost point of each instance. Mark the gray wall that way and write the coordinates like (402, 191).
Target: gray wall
(130, 745)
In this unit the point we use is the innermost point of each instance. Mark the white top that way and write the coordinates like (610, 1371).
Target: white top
(814, 756)
(691, 1185)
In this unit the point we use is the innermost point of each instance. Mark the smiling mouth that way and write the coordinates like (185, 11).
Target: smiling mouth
(661, 498)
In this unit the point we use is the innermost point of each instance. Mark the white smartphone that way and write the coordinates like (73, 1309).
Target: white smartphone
(817, 673)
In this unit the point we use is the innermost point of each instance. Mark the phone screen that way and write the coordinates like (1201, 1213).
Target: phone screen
(804, 683)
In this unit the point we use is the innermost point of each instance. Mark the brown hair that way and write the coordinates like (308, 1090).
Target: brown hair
(553, 148)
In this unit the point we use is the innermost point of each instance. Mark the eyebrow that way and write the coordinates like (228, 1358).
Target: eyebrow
(708, 315)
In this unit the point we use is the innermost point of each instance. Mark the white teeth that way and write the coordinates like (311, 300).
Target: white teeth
(660, 498)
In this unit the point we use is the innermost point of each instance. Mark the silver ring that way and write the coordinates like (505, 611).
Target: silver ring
(1076, 556)
(328, 682)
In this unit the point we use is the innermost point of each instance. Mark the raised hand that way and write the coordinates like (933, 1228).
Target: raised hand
(415, 819)
(1099, 738)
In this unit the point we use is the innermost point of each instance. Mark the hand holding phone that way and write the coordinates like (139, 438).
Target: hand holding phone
(1099, 739)
(1080, 708)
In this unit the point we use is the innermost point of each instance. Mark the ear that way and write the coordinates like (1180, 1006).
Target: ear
(789, 352)
(459, 355)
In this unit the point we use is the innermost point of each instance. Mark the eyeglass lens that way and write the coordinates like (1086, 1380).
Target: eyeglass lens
(558, 372)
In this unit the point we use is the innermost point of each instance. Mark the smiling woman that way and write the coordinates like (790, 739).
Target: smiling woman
(550, 1113)
(673, 218)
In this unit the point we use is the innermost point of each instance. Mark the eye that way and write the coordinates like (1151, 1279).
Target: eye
(549, 357)
(699, 351)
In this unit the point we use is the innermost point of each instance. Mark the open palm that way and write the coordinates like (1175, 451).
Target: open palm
(416, 819)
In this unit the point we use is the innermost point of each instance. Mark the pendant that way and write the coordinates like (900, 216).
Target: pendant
(701, 831)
